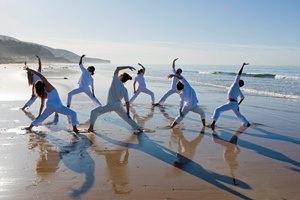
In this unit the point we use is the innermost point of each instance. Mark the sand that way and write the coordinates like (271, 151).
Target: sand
(187, 162)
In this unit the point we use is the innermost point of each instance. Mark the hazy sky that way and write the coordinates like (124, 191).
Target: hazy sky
(262, 32)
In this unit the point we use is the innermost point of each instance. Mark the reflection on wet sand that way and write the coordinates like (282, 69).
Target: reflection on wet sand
(186, 148)
(230, 150)
(116, 158)
(74, 156)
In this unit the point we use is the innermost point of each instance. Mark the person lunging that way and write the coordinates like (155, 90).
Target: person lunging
(117, 92)
(86, 84)
(188, 100)
(142, 85)
(232, 96)
(46, 90)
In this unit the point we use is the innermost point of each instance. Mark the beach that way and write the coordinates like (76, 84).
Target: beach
(186, 162)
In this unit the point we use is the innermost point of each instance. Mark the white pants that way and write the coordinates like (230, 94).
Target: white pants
(231, 105)
(87, 91)
(185, 111)
(118, 108)
(144, 90)
(59, 109)
(31, 100)
(169, 93)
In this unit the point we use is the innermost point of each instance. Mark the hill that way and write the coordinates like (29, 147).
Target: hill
(13, 50)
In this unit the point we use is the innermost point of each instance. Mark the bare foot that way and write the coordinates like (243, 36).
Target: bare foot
(91, 130)
(75, 130)
(138, 131)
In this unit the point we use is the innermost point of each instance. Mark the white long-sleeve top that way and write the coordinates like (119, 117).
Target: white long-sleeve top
(174, 80)
(117, 92)
(234, 91)
(141, 81)
(86, 78)
(188, 97)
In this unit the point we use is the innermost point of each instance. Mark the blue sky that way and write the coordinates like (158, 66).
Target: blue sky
(263, 32)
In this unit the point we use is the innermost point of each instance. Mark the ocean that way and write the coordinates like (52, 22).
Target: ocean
(274, 81)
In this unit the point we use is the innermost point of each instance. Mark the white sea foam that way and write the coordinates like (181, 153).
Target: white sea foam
(297, 78)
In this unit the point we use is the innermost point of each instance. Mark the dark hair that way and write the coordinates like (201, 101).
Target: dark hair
(125, 77)
(39, 88)
(30, 78)
(241, 83)
(140, 71)
(178, 71)
(91, 69)
(179, 86)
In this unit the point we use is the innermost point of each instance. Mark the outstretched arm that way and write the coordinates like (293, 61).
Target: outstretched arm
(123, 67)
(142, 67)
(241, 70)
(40, 64)
(48, 86)
(173, 65)
(175, 75)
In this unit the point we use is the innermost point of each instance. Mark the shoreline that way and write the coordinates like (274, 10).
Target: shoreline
(116, 164)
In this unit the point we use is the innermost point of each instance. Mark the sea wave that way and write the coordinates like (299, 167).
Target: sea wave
(254, 91)
(297, 78)
(255, 75)
(260, 92)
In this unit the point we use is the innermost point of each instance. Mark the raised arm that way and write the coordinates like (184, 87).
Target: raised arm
(241, 70)
(40, 64)
(123, 67)
(80, 61)
(173, 65)
(142, 67)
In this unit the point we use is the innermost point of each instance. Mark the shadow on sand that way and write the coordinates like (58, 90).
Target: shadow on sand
(148, 146)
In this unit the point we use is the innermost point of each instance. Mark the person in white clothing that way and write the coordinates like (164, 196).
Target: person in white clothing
(85, 82)
(173, 86)
(142, 85)
(44, 89)
(32, 79)
(117, 92)
(232, 96)
(188, 100)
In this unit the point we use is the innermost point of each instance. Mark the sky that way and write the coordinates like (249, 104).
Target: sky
(217, 32)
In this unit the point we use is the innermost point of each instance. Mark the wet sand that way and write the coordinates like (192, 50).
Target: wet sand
(187, 162)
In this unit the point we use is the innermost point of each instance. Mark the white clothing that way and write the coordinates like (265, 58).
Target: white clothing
(54, 104)
(118, 108)
(36, 78)
(87, 91)
(185, 111)
(117, 92)
(31, 100)
(171, 91)
(141, 81)
(188, 101)
(86, 78)
(188, 97)
(85, 82)
(234, 90)
(144, 90)
(231, 105)
(174, 80)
